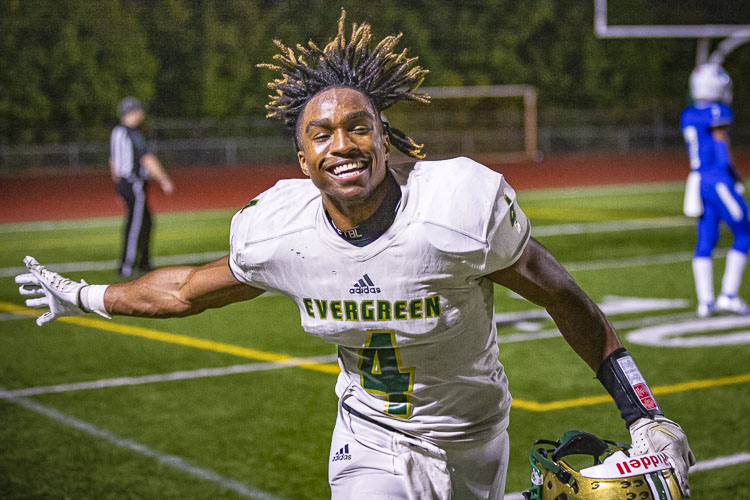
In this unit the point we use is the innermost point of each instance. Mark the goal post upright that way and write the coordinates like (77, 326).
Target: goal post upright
(527, 93)
(734, 35)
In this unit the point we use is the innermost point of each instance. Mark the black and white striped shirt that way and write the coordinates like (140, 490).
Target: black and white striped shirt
(127, 147)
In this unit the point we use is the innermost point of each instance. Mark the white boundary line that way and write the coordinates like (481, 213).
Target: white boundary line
(173, 461)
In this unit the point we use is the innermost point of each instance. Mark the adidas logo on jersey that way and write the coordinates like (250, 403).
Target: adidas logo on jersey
(364, 285)
(342, 454)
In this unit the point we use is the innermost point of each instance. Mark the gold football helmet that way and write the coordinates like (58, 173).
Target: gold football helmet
(614, 475)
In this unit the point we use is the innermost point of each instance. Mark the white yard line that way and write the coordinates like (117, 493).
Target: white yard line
(610, 226)
(719, 462)
(610, 306)
(108, 265)
(646, 260)
(201, 258)
(61, 225)
(534, 194)
(173, 461)
(198, 258)
(619, 325)
(163, 377)
(561, 229)
(101, 222)
(612, 190)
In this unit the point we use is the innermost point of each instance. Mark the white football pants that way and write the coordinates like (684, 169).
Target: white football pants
(369, 462)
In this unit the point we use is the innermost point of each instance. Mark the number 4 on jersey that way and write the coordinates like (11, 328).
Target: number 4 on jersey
(382, 373)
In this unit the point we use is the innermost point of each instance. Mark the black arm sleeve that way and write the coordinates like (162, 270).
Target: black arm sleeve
(624, 382)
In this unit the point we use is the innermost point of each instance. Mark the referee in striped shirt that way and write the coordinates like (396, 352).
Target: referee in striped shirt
(131, 166)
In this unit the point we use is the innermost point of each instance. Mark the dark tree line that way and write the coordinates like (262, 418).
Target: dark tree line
(64, 64)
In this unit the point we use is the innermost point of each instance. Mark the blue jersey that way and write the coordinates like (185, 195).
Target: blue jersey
(708, 156)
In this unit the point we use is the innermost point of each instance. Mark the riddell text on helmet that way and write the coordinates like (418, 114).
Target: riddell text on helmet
(646, 462)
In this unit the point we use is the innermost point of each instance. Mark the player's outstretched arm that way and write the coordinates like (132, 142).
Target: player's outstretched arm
(178, 291)
(165, 293)
(538, 277)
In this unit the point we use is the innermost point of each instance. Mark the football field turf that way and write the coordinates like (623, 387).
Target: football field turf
(239, 402)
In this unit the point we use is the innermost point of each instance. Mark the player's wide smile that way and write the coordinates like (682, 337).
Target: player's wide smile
(348, 170)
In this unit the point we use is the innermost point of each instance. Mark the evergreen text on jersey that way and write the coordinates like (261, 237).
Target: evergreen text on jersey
(373, 310)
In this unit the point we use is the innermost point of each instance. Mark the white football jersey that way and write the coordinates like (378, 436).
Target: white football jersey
(410, 312)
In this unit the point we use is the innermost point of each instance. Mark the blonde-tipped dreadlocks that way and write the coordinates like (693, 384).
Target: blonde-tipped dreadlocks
(382, 75)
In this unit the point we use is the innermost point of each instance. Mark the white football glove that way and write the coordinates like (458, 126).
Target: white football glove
(662, 435)
(59, 294)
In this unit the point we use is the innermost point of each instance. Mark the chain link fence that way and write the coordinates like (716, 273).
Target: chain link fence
(255, 140)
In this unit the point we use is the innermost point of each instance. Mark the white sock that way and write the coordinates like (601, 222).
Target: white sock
(703, 272)
(735, 266)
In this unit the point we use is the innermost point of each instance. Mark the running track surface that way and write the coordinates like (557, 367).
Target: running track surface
(55, 195)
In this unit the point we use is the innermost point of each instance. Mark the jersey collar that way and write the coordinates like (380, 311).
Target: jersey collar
(378, 223)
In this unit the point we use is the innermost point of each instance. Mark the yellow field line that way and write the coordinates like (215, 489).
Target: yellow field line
(245, 352)
(661, 389)
(523, 404)
(184, 340)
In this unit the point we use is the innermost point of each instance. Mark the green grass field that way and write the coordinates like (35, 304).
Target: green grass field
(221, 406)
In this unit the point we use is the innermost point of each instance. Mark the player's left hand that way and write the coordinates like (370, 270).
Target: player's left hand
(662, 435)
(58, 293)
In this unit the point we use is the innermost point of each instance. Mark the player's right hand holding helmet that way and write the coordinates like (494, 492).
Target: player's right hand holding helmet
(650, 431)
(661, 435)
(617, 472)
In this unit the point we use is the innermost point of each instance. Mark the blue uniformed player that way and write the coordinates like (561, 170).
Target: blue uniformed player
(131, 167)
(714, 190)
(396, 265)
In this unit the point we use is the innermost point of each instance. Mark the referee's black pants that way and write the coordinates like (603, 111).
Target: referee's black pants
(137, 234)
